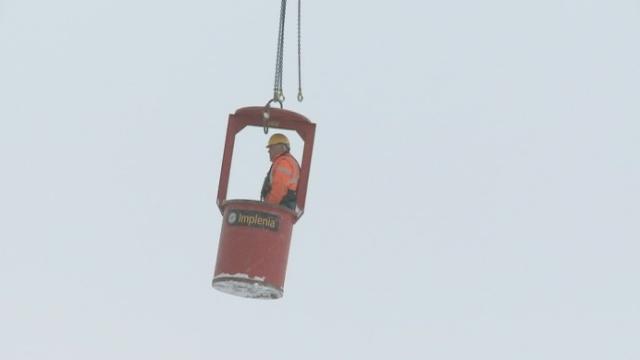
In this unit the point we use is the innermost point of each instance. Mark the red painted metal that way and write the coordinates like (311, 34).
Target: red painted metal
(252, 259)
(279, 119)
(252, 254)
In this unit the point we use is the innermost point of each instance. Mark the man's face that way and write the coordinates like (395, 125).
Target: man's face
(275, 150)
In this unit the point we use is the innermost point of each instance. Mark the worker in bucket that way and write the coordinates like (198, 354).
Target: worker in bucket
(281, 183)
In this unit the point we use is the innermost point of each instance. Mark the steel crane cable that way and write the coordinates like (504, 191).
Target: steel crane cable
(278, 94)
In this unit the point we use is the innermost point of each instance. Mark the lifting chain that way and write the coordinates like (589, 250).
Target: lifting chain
(300, 97)
(278, 94)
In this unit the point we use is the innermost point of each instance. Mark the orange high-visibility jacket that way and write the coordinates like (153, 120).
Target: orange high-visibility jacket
(284, 176)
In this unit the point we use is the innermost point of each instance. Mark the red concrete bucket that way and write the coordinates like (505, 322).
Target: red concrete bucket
(253, 249)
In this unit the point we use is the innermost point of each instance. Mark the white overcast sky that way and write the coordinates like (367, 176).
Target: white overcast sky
(474, 190)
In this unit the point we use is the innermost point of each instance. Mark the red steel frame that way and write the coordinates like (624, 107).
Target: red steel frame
(278, 119)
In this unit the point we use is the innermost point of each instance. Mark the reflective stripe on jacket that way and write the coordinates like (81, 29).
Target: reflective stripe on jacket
(284, 176)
